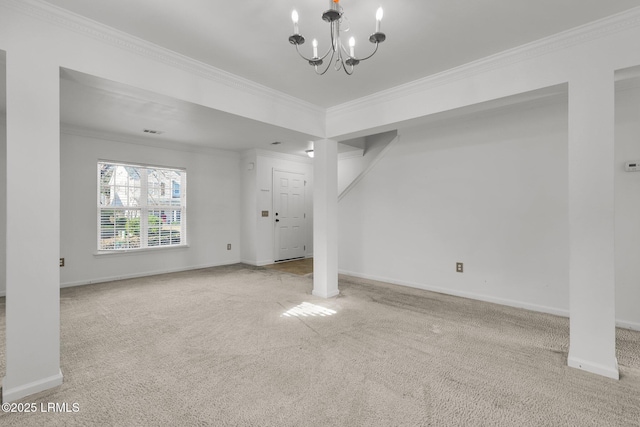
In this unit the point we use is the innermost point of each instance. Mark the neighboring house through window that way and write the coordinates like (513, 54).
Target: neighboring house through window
(134, 209)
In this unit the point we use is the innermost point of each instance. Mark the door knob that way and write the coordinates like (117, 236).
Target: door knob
(277, 220)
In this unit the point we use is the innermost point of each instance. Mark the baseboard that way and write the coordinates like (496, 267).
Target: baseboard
(502, 301)
(257, 263)
(628, 325)
(325, 296)
(144, 274)
(463, 294)
(266, 261)
(594, 368)
(15, 393)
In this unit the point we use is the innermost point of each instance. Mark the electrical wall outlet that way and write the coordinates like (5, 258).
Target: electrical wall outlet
(228, 246)
(632, 166)
(459, 268)
(61, 262)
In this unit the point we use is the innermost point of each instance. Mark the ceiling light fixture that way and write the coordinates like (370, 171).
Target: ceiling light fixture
(309, 153)
(345, 59)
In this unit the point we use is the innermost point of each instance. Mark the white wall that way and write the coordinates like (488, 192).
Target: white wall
(3, 205)
(249, 232)
(351, 167)
(490, 192)
(627, 207)
(3, 184)
(213, 210)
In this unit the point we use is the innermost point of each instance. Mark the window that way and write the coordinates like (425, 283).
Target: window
(134, 209)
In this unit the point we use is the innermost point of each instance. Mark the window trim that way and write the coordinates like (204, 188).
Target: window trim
(134, 251)
(144, 208)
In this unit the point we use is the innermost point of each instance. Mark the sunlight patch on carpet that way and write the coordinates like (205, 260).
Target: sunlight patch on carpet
(307, 309)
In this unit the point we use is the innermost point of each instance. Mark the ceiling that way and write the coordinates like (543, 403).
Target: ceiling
(107, 107)
(424, 37)
(249, 39)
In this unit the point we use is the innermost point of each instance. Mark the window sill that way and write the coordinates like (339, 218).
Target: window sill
(139, 251)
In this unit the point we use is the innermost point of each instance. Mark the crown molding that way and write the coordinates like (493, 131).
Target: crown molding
(168, 145)
(283, 156)
(254, 153)
(62, 18)
(584, 33)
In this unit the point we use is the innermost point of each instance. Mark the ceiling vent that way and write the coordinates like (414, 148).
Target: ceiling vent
(153, 132)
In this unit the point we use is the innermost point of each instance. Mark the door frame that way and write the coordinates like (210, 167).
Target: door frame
(273, 204)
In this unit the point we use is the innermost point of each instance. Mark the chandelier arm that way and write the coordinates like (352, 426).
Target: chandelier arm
(344, 49)
(326, 54)
(349, 71)
(326, 68)
(367, 57)
(345, 69)
(345, 65)
(339, 60)
(328, 65)
(309, 59)
(299, 53)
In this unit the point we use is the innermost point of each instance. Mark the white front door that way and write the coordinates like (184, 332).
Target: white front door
(288, 215)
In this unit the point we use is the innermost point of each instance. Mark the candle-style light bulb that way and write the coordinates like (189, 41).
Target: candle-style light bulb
(315, 48)
(294, 18)
(352, 47)
(378, 19)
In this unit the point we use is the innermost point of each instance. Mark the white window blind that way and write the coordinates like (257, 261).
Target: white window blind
(140, 206)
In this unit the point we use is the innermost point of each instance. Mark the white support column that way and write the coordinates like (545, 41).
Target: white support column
(325, 218)
(33, 225)
(591, 222)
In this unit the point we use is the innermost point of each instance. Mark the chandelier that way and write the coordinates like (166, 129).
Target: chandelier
(345, 59)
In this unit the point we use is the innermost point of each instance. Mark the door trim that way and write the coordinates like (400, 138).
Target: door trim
(304, 222)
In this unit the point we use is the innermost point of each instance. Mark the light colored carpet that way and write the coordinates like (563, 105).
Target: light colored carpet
(300, 267)
(229, 346)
